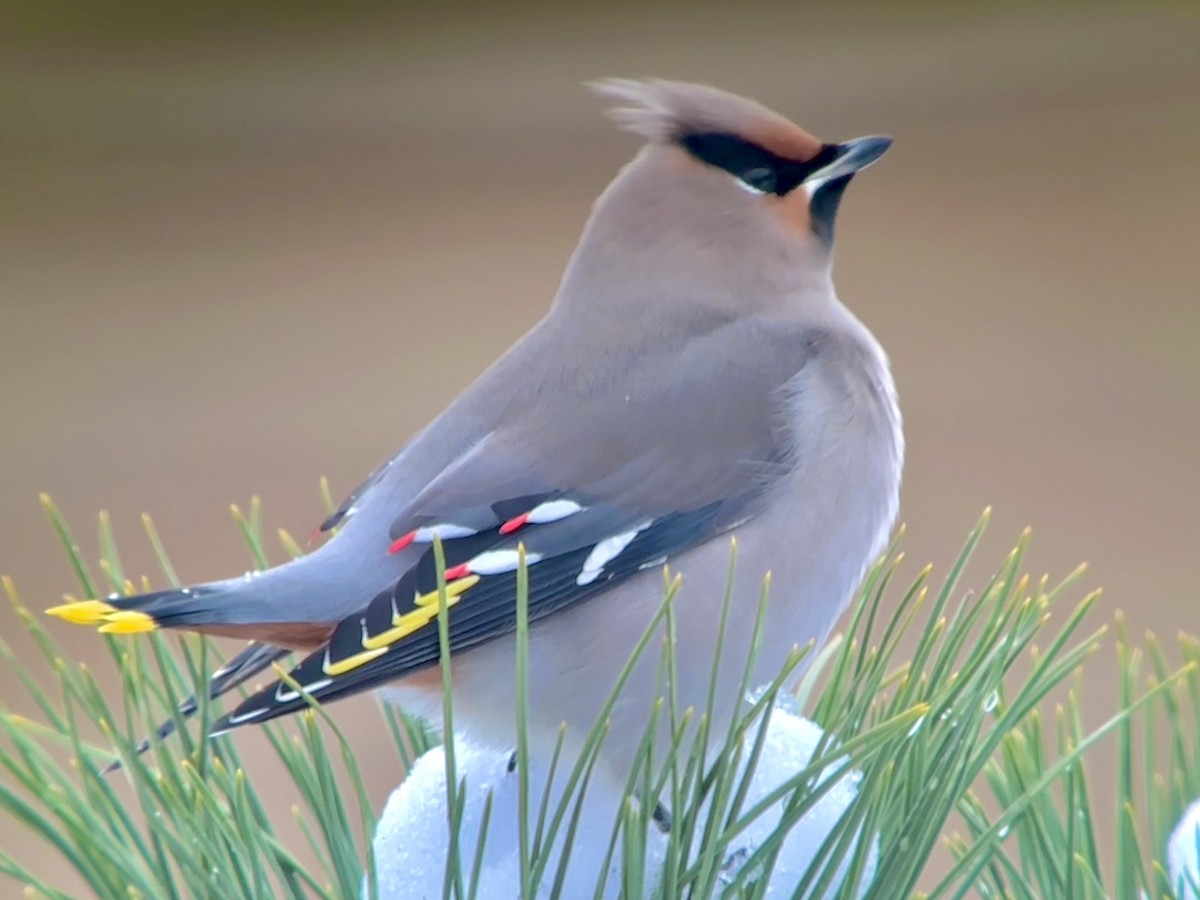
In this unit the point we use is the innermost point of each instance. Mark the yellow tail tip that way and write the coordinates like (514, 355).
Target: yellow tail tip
(82, 612)
(128, 621)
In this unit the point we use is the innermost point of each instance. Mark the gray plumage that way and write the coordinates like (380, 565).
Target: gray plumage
(695, 378)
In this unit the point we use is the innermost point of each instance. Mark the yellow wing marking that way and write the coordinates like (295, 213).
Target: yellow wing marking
(427, 608)
(453, 590)
(342, 666)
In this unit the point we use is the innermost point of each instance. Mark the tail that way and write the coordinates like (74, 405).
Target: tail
(292, 607)
(189, 607)
(252, 660)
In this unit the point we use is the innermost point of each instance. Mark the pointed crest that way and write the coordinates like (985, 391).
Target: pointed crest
(666, 111)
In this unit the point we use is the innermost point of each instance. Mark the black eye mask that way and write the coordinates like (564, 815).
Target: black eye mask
(759, 169)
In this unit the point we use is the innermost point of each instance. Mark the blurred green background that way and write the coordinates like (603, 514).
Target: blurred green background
(242, 246)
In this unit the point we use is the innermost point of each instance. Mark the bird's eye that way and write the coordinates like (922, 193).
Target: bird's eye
(757, 170)
(761, 178)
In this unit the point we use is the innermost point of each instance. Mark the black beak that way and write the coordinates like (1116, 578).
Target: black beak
(851, 157)
(826, 184)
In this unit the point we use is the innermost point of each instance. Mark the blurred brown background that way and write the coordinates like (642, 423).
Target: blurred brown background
(243, 248)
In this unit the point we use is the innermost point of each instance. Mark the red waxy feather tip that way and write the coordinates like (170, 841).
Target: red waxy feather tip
(403, 541)
(462, 570)
(514, 523)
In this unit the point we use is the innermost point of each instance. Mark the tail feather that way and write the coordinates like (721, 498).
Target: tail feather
(187, 607)
(180, 608)
(309, 592)
(240, 608)
(248, 663)
(295, 606)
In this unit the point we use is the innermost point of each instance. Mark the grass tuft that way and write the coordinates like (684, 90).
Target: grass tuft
(971, 745)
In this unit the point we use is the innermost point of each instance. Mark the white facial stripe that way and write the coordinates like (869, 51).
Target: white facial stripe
(748, 188)
(496, 561)
(813, 185)
(605, 552)
(553, 510)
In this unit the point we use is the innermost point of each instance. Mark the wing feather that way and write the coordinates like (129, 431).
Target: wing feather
(643, 497)
(481, 607)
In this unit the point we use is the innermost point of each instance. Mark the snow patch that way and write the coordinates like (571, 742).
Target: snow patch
(411, 837)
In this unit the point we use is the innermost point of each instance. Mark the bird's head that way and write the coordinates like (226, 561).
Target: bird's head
(727, 197)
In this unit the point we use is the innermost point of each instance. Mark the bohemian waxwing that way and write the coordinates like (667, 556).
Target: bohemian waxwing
(696, 378)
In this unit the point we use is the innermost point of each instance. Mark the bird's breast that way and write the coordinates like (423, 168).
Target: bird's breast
(834, 510)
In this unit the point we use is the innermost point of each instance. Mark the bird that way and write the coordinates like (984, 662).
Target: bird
(696, 381)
